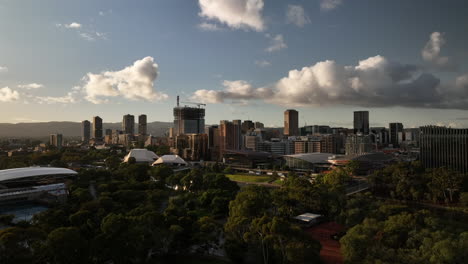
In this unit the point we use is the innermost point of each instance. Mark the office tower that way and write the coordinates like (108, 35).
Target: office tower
(395, 130)
(358, 144)
(229, 136)
(85, 131)
(142, 125)
(213, 142)
(379, 135)
(259, 125)
(97, 128)
(247, 126)
(128, 124)
(361, 122)
(291, 123)
(444, 147)
(192, 147)
(56, 140)
(189, 120)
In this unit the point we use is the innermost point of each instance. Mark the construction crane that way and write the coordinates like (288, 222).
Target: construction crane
(197, 104)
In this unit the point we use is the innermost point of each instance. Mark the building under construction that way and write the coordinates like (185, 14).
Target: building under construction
(189, 120)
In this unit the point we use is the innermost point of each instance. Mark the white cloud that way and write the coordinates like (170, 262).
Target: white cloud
(70, 98)
(296, 15)
(87, 34)
(135, 82)
(373, 82)
(237, 14)
(31, 86)
(276, 43)
(330, 4)
(431, 52)
(74, 25)
(233, 90)
(205, 26)
(8, 95)
(262, 63)
(3, 69)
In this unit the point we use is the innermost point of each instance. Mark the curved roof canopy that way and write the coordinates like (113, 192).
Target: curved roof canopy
(316, 157)
(141, 155)
(170, 159)
(18, 173)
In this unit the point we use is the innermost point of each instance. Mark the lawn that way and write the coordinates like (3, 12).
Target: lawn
(248, 178)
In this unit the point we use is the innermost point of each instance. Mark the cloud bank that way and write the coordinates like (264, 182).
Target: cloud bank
(237, 14)
(135, 82)
(372, 82)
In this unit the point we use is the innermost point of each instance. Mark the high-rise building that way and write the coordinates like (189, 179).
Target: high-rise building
(188, 120)
(358, 144)
(396, 130)
(444, 147)
(379, 136)
(128, 124)
(213, 142)
(361, 122)
(97, 128)
(85, 131)
(142, 125)
(229, 136)
(291, 123)
(247, 126)
(56, 140)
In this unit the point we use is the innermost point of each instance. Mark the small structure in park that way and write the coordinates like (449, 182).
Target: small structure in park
(141, 156)
(171, 160)
(309, 219)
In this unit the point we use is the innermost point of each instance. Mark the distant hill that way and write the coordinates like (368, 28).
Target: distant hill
(69, 129)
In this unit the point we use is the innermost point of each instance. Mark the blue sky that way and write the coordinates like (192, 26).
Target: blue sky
(70, 60)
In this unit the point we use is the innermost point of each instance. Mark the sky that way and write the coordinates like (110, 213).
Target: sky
(67, 60)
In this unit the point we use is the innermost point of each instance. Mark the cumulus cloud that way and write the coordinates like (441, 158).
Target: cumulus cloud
(8, 95)
(3, 69)
(431, 52)
(205, 26)
(237, 14)
(31, 86)
(276, 43)
(73, 25)
(296, 15)
(330, 4)
(135, 82)
(233, 90)
(262, 63)
(372, 82)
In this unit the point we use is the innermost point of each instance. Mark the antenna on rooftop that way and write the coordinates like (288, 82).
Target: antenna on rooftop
(177, 101)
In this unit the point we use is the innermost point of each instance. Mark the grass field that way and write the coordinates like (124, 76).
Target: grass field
(248, 178)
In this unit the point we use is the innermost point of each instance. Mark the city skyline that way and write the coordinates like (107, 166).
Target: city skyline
(240, 68)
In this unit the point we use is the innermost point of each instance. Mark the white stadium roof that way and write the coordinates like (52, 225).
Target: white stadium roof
(170, 159)
(12, 174)
(141, 155)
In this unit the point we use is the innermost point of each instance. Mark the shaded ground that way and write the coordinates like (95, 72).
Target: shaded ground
(330, 252)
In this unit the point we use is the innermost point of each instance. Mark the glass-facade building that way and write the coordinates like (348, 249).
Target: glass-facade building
(444, 147)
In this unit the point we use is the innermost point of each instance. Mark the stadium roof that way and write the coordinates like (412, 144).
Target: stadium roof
(18, 173)
(170, 159)
(141, 155)
(315, 157)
